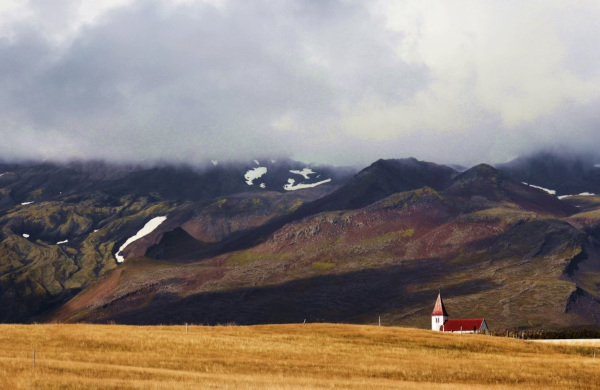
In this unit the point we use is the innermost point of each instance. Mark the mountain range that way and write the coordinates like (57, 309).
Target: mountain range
(282, 241)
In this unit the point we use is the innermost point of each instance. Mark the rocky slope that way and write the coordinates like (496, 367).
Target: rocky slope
(382, 245)
(278, 241)
(61, 226)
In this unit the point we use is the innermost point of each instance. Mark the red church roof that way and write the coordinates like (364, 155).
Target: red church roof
(465, 325)
(439, 309)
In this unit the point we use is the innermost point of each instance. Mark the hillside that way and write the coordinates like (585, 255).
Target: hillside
(496, 247)
(279, 242)
(62, 225)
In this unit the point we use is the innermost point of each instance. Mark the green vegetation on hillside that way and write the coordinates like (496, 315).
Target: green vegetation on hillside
(36, 272)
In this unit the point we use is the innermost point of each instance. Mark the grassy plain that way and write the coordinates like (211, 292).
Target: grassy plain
(311, 356)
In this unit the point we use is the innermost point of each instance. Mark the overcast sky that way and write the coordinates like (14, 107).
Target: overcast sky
(341, 82)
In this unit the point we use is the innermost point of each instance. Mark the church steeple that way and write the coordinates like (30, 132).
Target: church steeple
(439, 315)
(439, 309)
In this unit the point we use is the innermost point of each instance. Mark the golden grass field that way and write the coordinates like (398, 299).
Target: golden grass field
(312, 356)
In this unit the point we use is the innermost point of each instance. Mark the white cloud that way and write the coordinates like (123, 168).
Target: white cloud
(332, 81)
(507, 57)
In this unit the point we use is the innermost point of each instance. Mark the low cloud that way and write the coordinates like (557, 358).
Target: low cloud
(342, 82)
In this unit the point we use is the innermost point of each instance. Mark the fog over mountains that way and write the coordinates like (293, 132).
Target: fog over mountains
(337, 82)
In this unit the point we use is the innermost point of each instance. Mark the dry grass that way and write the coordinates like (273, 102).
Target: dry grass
(282, 357)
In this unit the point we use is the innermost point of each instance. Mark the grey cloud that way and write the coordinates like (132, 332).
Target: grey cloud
(151, 81)
(199, 82)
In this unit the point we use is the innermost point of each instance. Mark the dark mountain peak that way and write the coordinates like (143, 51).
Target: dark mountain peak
(481, 172)
(408, 162)
(384, 178)
(380, 165)
(414, 173)
(484, 169)
(482, 179)
(565, 173)
(554, 160)
(488, 182)
(397, 162)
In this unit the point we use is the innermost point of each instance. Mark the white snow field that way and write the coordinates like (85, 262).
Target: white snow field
(148, 228)
(254, 174)
(62, 242)
(582, 194)
(304, 173)
(25, 235)
(291, 186)
(26, 203)
(551, 192)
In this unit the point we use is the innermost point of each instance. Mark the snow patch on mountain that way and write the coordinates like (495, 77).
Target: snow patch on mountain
(62, 242)
(291, 186)
(25, 235)
(214, 162)
(581, 194)
(26, 203)
(551, 192)
(256, 162)
(304, 173)
(254, 174)
(148, 228)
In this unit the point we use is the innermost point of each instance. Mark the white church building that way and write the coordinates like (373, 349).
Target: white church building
(440, 321)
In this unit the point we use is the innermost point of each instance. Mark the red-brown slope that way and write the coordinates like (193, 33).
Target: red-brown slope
(496, 261)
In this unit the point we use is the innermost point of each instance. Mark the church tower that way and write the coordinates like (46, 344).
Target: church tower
(439, 315)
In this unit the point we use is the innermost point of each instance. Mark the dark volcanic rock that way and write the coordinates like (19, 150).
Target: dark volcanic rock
(567, 174)
(380, 243)
(487, 182)
(384, 178)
